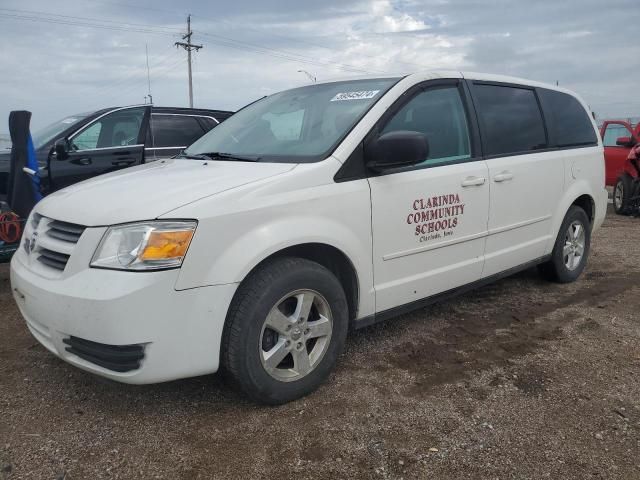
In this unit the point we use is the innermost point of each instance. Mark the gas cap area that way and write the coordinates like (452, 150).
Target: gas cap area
(575, 170)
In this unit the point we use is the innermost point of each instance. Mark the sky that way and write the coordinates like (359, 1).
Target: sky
(64, 57)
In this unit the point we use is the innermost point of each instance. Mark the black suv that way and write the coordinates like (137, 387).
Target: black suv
(89, 144)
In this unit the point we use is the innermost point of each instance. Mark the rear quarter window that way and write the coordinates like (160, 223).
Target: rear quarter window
(568, 122)
(174, 130)
(207, 123)
(510, 119)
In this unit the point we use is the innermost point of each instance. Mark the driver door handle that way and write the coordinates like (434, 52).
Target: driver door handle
(473, 181)
(503, 176)
(122, 163)
(81, 161)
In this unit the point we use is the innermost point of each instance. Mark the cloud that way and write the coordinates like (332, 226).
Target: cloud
(94, 56)
(388, 19)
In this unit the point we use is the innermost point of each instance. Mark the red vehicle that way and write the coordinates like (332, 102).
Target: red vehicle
(619, 137)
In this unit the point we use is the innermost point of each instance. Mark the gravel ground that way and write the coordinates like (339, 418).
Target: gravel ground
(522, 379)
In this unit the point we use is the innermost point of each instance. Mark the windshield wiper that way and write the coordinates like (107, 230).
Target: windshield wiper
(230, 156)
(195, 156)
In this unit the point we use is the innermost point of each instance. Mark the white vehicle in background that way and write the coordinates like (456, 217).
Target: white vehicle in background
(311, 210)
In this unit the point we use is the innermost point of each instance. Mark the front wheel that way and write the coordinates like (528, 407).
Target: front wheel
(285, 329)
(621, 195)
(571, 249)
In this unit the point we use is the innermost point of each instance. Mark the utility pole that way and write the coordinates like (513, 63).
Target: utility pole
(188, 46)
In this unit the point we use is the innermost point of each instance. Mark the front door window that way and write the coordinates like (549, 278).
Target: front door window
(439, 114)
(117, 129)
(613, 132)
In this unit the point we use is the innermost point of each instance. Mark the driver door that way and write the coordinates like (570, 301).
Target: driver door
(110, 142)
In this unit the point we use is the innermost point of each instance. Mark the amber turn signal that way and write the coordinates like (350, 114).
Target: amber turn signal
(163, 245)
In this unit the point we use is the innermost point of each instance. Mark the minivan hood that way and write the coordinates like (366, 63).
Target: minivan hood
(148, 191)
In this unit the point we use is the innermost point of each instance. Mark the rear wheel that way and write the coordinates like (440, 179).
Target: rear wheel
(285, 330)
(571, 249)
(621, 195)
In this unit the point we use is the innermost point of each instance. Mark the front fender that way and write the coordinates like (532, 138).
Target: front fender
(230, 244)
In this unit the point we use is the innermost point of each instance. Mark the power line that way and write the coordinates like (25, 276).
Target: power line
(140, 82)
(306, 42)
(132, 76)
(222, 41)
(120, 89)
(114, 88)
(91, 22)
(150, 29)
(246, 27)
(139, 7)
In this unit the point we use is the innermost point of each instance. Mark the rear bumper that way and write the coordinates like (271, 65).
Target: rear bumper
(602, 203)
(178, 332)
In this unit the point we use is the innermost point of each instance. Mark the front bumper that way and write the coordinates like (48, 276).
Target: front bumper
(180, 331)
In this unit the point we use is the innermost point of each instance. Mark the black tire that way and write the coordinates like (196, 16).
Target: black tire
(243, 337)
(623, 188)
(556, 269)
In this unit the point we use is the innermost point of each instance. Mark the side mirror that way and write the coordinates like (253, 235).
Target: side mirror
(61, 148)
(625, 141)
(396, 149)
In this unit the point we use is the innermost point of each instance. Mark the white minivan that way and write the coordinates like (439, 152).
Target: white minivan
(310, 211)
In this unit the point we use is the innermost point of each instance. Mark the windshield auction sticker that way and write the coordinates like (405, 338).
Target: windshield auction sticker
(363, 95)
(435, 217)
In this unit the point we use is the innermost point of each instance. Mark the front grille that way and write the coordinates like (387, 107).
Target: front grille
(68, 232)
(118, 358)
(35, 220)
(53, 241)
(53, 259)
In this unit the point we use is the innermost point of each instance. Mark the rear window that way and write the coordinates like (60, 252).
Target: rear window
(174, 130)
(568, 122)
(510, 119)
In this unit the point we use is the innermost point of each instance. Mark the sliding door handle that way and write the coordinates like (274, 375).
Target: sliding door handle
(473, 181)
(503, 177)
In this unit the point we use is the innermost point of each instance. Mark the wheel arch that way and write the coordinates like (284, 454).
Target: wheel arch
(588, 204)
(582, 195)
(330, 257)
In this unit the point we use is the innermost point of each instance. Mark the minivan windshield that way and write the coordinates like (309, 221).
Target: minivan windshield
(50, 132)
(299, 125)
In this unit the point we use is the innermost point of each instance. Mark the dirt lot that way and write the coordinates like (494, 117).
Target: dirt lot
(522, 379)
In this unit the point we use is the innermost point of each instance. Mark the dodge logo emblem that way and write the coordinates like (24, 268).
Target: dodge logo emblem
(30, 244)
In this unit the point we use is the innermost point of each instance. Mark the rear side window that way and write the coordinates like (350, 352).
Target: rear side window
(568, 122)
(510, 119)
(174, 130)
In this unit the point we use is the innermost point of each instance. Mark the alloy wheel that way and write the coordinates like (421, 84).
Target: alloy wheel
(295, 335)
(618, 196)
(574, 244)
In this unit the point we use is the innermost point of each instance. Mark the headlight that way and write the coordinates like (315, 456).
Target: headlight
(144, 246)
